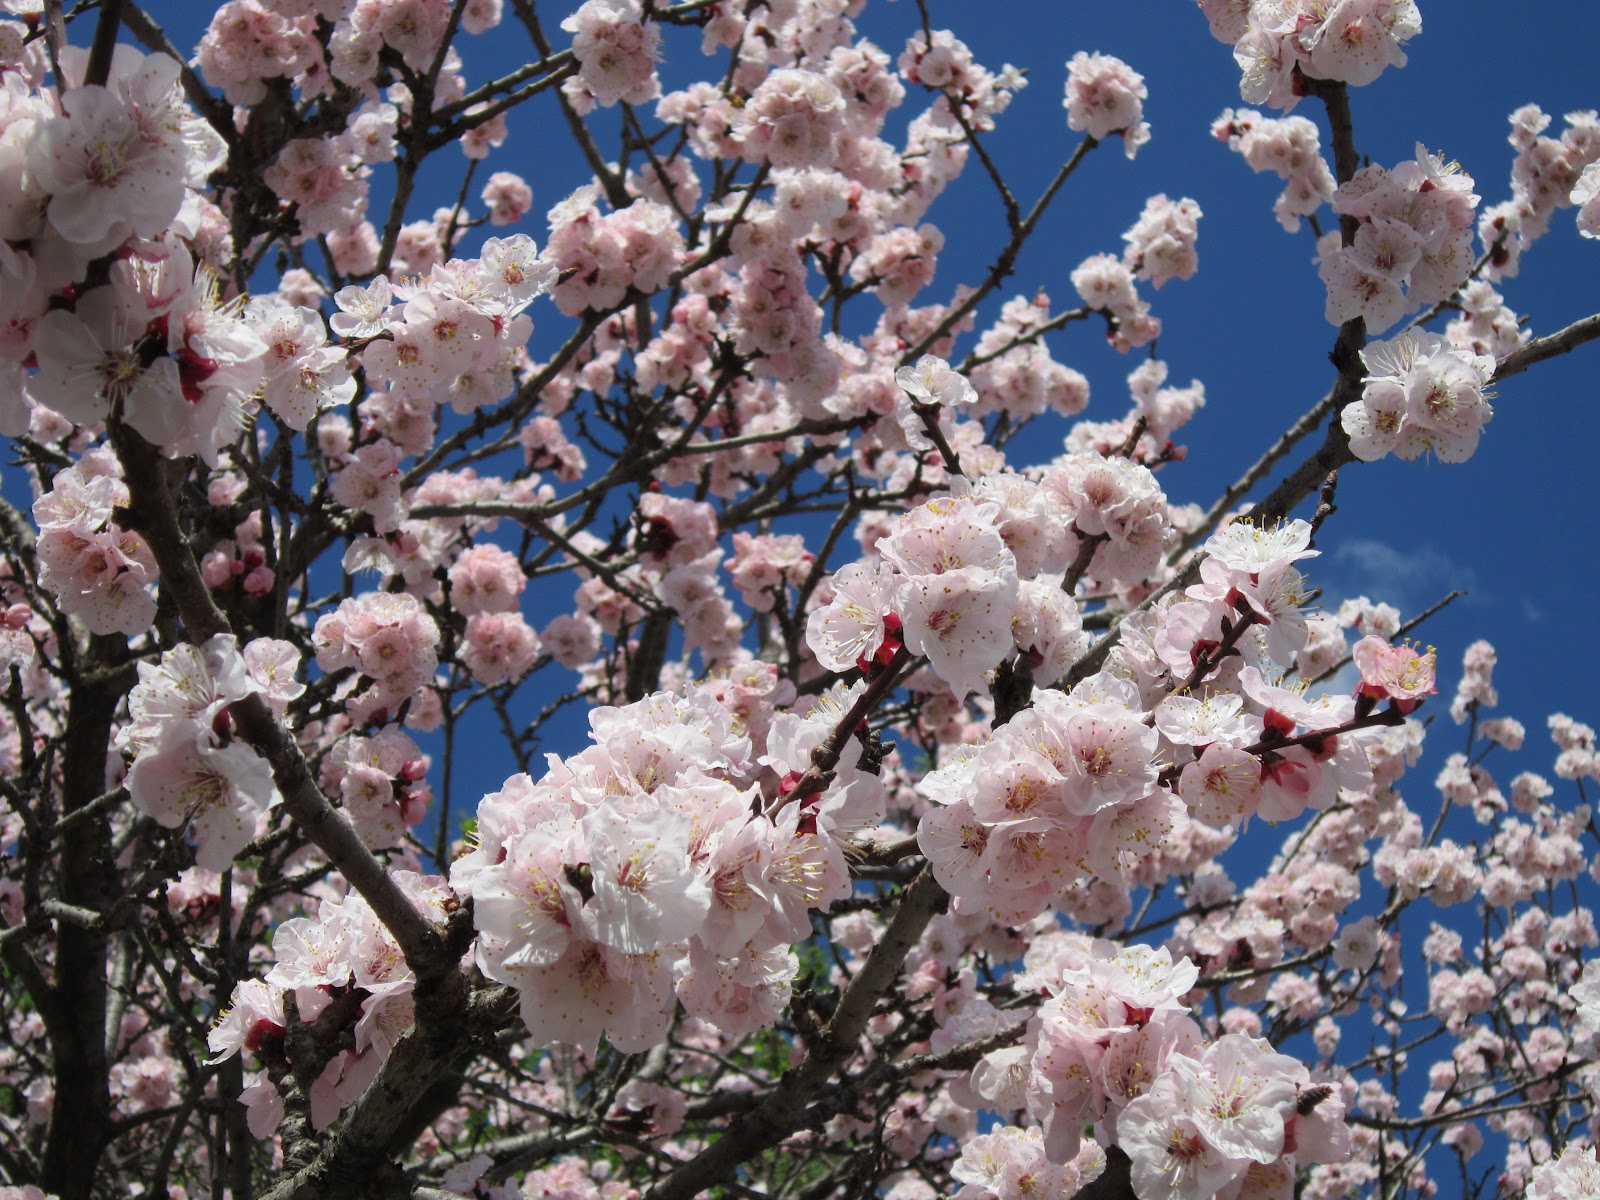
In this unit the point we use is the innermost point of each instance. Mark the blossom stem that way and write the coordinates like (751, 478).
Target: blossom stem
(826, 756)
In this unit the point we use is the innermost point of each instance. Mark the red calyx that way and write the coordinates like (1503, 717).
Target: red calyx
(886, 650)
(658, 537)
(1277, 724)
(193, 370)
(262, 1031)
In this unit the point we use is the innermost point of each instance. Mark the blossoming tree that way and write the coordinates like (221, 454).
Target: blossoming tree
(896, 857)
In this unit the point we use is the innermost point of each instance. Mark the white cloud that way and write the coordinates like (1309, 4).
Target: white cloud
(1410, 579)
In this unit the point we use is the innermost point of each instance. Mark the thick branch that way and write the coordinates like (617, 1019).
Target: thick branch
(1239, 488)
(357, 1158)
(782, 1111)
(80, 1114)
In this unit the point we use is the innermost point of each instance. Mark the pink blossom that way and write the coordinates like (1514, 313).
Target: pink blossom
(1172, 1158)
(1397, 673)
(264, 1106)
(90, 363)
(499, 647)
(1106, 96)
(1422, 395)
(960, 619)
(1586, 195)
(851, 627)
(221, 793)
(508, 196)
(107, 171)
(616, 51)
(1222, 786)
(254, 1015)
(1357, 39)
(190, 688)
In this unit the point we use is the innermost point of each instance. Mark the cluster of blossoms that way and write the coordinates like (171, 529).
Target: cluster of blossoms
(94, 569)
(1010, 1160)
(342, 968)
(968, 578)
(303, 375)
(508, 196)
(1413, 243)
(381, 782)
(793, 119)
(899, 263)
(763, 564)
(497, 644)
(1549, 173)
(241, 560)
(187, 768)
(1422, 395)
(321, 180)
(1348, 41)
(387, 638)
(1397, 673)
(678, 564)
(1575, 1173)
(1114, 1047)
(649, 870)
(1106, 96)
(251, 42)
(1069, 793)
(1106, 285)
(616, 52)
(1485, 323)
(325, 179)
(155, 345)
(1161, 244)
(1057, 795)
(1291, 148)
(1019, 376)
(453, 337)
(600, 256)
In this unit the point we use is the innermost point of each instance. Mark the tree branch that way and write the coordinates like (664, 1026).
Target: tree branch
(1549, 346)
